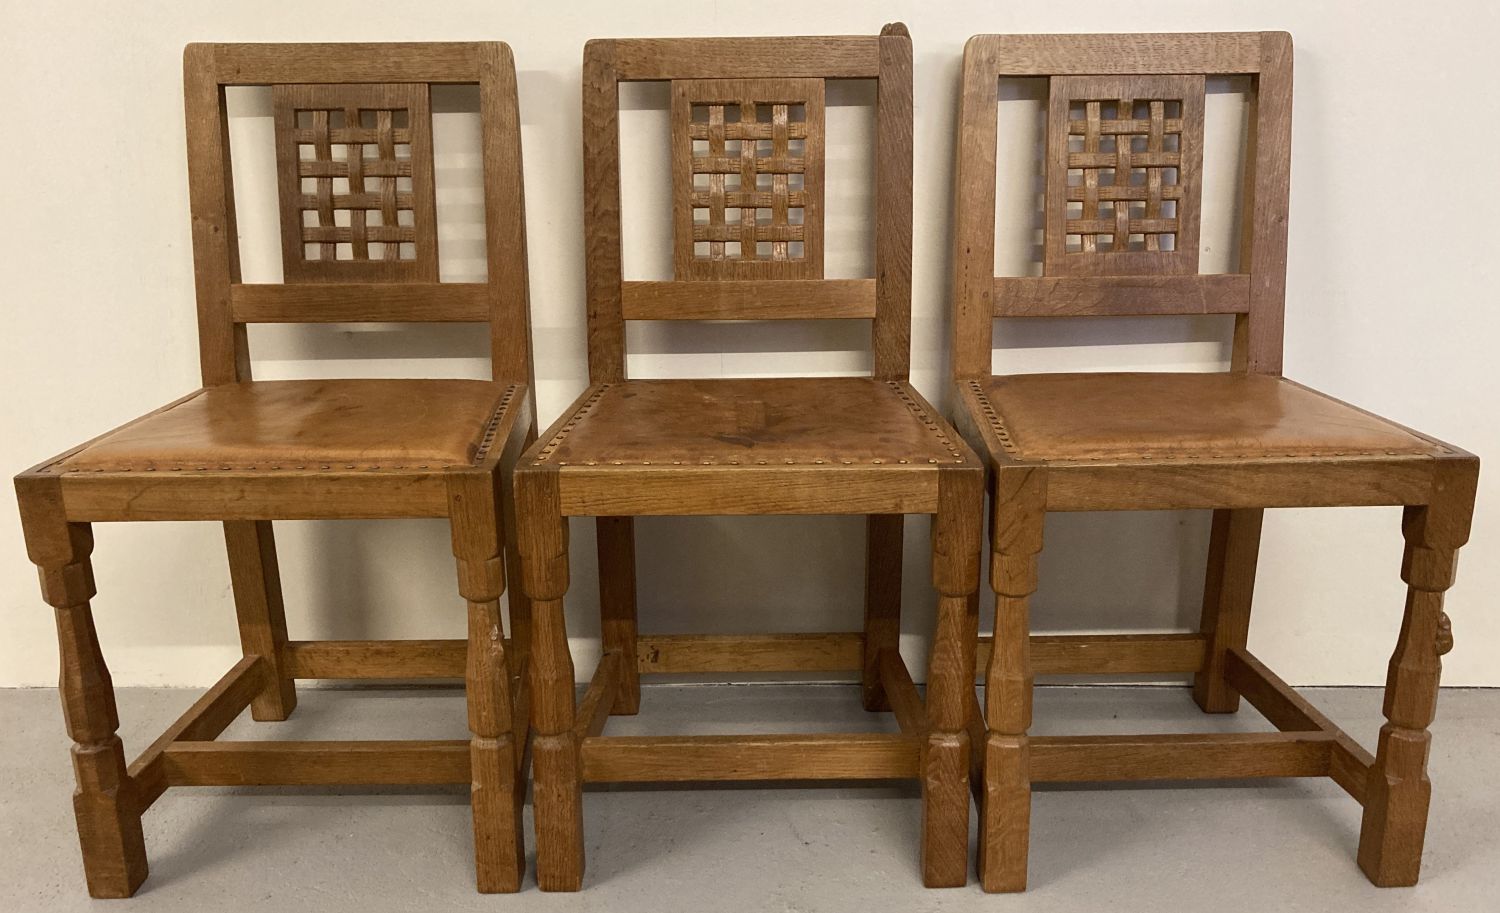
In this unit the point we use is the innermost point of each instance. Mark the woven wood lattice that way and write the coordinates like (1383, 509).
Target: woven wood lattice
(748, 178)
(355, 175)
(1124, 160)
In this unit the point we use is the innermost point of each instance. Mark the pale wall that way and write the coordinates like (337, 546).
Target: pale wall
(1391, 304)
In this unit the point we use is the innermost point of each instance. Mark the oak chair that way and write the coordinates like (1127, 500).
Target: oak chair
(747, 142)
(1122, 164)
(355, 174)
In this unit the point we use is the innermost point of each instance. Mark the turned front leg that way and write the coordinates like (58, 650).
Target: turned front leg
(1397, 790)
(105, 804)
(557, 776)
(1016, 541)
(494, 794)
(956, 544)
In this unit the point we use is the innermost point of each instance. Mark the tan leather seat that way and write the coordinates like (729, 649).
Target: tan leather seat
(1120, 416)
(751, 422)
(313, 423)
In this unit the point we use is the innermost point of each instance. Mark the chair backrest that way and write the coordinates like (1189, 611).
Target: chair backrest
(1124, 153)
(353, 133)
(747, 187)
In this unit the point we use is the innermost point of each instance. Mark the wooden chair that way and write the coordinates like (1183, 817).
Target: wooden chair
(246, 452)
(1237, 442)
(753, 108)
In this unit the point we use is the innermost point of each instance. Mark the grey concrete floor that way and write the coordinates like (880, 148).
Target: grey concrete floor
(1271, 845)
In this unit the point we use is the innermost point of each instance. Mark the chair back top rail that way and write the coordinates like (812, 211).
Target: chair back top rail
(353, 134)
(747, 118)
(1123, 175)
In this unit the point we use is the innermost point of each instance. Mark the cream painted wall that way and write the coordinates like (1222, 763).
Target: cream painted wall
(1391, 305)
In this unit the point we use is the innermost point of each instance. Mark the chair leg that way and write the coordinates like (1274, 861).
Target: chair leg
(616, 537)
(262, 617)
(883, 556)
(1397, 790)
(499, 850)
(1233, 548)
(520, 654)
(956, 538)
(1016, 541)
(107, 809)
(519, 605)
(557, 775)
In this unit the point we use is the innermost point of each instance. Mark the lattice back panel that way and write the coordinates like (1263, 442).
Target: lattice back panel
(354, 167)
(1124, 173)
(747, 175)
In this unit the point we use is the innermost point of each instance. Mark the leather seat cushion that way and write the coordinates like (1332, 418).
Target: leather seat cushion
(1226, 415)
(752, 422)
(312, 423)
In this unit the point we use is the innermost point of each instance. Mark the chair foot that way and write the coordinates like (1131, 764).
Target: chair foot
(1213, 694)
(1004, 829)
(1395, 818)
(873, 697)
(558, 797)
(109, 826)
(945, 810)
(496, 797)
(627, 697)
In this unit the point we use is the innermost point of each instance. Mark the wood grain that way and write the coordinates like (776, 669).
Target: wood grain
(669, 759)
(1264, 203)
(1125, 54)
(354, 62)
(376, 659)
(750, 299)
(842, 57)
(223, 350)
(700, 653)
(1120, 296)
(891, 333)
(1108, 654)
(604, 263)
(747, 490)
(407, 762)
(330, 302)
(1215, 756)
